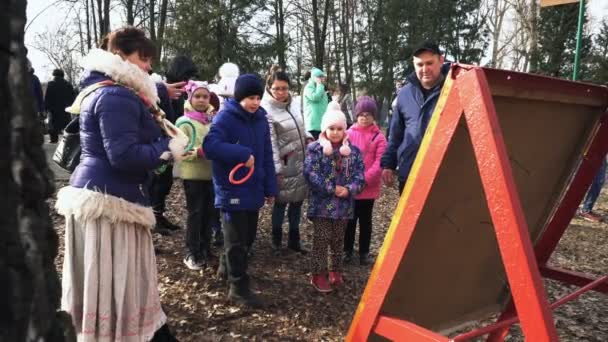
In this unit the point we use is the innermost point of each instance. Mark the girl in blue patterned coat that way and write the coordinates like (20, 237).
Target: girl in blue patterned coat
(335, 174)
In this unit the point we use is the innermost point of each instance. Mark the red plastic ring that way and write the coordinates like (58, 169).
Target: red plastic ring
(242, 180)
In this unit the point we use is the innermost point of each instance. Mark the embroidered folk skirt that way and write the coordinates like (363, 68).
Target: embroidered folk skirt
(109, 278)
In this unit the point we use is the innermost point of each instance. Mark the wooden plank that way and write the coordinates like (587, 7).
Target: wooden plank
(548, 3)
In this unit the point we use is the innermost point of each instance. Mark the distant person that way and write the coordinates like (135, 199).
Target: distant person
(59, 95)
(181, 69)
(415, 105)
(36, 89)
(228, 73)
(586, 211)
(393, 107)
(315, 101)
(345, 100)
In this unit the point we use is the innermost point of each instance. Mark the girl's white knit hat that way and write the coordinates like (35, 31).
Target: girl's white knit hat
(333, 117)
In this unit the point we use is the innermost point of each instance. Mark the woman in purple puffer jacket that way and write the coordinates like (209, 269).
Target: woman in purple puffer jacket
(109, 273)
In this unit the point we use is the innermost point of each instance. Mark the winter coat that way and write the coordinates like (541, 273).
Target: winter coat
(37, 92)
(323, 173)
(165, 102)
(181, 68)
(408, 124)
(288, 138)
(59, 95)
(235, 135)
(372, 143)
(195, 166)
(121, 143)
(315, 105)
(346, 106)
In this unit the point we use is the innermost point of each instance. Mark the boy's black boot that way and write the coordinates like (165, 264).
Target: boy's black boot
(243, 296)
(222, 269)
(218, 238)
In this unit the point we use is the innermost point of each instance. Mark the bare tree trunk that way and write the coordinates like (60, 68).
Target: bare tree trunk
(106, 17)
(80, 35)
(162, 21)
(534, 53)
(336, 44)
(281, 44)
(86, 9)
(320, 31)
(130, 16)
(152, 19)
(299, 43)
(219, 34)
(97, 40)
(351, 47)
(345, 31)
(100, 18)
(30, 289)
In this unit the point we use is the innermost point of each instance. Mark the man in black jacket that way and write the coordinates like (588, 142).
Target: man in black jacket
(181, 69)
(59, 95)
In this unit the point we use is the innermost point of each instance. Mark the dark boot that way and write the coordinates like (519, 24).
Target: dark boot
(165, 223)
(163, 335)
(242, 295)
(276, 246)
(158, 229)
(222, 270)
(218, 238)
(348, 257)
(364, 259)
(297, 247)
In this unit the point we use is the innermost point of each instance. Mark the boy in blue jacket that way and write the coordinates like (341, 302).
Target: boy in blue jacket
(240, 134)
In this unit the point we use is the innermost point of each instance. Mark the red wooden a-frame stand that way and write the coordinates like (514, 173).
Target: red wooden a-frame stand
(467, 95)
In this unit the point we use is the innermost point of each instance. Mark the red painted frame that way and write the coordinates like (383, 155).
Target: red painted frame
(469, 94)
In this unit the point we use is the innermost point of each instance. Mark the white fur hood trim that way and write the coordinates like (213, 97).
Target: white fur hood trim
(121, 71)
(86, 205)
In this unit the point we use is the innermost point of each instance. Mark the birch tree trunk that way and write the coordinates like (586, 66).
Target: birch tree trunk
(30, 290)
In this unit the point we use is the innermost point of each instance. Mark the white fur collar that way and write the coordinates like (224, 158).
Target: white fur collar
(121, 71)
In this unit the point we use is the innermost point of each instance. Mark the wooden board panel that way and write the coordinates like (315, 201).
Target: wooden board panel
(547, 3)
(452, 271)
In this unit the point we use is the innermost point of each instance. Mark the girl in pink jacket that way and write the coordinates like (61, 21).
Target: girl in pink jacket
(366, 135)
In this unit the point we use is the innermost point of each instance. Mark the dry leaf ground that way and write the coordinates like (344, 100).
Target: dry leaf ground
(197, 309)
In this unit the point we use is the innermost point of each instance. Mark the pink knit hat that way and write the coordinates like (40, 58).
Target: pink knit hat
(193, 86)
(333, 117)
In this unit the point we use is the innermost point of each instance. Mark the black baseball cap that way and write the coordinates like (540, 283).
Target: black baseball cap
(426, 46)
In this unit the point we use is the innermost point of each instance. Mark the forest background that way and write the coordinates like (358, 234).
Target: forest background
(366, 44)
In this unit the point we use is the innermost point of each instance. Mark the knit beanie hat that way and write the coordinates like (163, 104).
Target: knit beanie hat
(248, 85)
(193, 86)
(366, 104)
(228, 73)
(316, 72)
(333, 117)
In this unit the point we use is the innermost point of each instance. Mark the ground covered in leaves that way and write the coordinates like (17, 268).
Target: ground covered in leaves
(198, 311)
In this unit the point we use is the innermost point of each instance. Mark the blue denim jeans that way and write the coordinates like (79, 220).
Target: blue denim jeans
(293, 217)
(595, 189)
